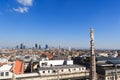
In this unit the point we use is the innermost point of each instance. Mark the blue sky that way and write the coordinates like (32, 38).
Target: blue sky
(60, 22)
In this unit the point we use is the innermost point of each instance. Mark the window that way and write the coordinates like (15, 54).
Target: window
(6, 73)
(62, 70)
(83, 68)
(69, 70)
(2, 73)
(112, 77)
(48, 71)
(43, 71)
(54, 71)
(74, 69)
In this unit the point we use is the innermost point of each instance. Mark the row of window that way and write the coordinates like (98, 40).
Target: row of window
(111, 73)
(4, 73)
(112, 77)
(54, 71)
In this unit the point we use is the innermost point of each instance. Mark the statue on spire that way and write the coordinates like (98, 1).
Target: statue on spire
(92, 34)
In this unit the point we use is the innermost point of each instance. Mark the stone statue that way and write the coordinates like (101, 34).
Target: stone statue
(92, 34)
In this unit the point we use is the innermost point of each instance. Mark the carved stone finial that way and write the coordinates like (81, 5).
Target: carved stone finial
(92, 34)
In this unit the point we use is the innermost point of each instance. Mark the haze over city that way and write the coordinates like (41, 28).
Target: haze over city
(60, 22)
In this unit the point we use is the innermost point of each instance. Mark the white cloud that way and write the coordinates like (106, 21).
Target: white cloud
(21, 9)
(25, 2)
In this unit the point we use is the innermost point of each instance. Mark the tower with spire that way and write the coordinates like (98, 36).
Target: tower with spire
(93, 75)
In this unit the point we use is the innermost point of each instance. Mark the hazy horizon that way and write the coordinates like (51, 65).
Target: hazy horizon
(60, 22)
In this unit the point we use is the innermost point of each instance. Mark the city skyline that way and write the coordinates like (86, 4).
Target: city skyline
(60, 22)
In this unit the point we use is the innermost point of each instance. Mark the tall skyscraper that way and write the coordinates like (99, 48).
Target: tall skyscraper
(39, 46)
(21, 46)
(93, 75)
(46, 46)
(24, 47)
(36, 46)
